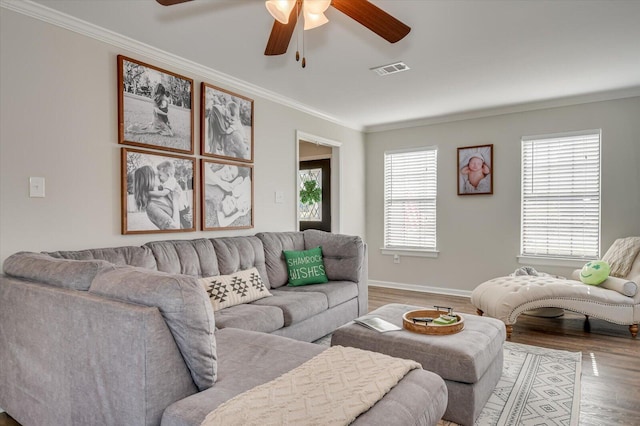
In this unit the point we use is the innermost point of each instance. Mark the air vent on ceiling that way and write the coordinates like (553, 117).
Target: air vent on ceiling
(391, 68)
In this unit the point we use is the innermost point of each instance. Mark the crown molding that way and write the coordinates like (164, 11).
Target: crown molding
(629, 92)
(54, 17)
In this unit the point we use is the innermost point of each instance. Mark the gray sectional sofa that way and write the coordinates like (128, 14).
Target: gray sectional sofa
(127, 335)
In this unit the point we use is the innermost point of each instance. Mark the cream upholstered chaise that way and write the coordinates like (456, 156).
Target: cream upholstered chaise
(616, 300)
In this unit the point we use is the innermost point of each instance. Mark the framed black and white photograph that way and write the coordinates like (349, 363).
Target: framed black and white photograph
(157, 192)
(475, 170)
(226, 125)
(154, 107)
(227, 195)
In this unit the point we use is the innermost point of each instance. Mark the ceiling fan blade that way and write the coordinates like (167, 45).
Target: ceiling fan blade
(171, 2)
(281, 33)
(374, 18)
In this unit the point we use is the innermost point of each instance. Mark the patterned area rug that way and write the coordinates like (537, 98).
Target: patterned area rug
(539, 386)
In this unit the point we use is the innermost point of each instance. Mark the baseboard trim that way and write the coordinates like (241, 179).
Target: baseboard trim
(420, 288)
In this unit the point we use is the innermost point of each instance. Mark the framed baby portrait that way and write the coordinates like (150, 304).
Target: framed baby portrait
(475, 170)
(227, 195)
(226, 125)
(157, 192)
(154, 107)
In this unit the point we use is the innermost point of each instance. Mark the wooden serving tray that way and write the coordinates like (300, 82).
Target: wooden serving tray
(430, 328)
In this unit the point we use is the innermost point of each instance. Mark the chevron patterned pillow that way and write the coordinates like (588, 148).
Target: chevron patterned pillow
(235, 289)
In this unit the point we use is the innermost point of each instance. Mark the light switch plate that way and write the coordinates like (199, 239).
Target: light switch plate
(279, 197)
(36, 187)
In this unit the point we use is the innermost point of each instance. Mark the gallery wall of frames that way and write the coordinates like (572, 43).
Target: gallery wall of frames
(159, 165)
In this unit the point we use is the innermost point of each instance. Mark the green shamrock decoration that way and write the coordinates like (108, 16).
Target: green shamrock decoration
(310, 193)
(594, 273)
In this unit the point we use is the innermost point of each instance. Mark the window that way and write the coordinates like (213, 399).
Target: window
(561, 196)
(410, 189)
(310, 195)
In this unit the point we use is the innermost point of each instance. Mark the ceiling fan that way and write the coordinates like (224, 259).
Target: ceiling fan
(366, 13)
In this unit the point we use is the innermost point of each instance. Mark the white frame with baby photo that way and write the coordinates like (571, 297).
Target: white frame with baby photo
(155, 107)
(226, 124)
(475, 179)
(226, 195)
(158, 192)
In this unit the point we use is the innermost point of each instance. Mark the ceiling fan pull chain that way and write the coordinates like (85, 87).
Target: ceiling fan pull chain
(304, 60)
(297, 35)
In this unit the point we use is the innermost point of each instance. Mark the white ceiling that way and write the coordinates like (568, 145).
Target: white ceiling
(464, 55)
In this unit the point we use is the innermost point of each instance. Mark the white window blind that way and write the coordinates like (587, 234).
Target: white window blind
(410, 189)
(561, 195)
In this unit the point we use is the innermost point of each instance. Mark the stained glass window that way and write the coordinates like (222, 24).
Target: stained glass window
(311, 183)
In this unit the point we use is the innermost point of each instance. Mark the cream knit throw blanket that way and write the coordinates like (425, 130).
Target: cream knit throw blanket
(621, 255)
(332, 388)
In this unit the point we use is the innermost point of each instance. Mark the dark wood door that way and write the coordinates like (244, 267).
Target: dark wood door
(318, 215)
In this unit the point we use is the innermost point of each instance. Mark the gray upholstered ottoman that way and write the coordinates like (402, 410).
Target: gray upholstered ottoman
(470, 362)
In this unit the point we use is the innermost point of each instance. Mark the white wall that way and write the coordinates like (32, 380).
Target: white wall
(58, 119)
(478, 236)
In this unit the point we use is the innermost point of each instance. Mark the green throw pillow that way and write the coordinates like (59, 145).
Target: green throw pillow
(305, 267)
(594, 273)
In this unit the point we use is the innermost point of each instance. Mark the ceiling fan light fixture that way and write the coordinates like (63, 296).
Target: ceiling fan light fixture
(280, 9)
(313, 12)
(314, 20)
(316, 6)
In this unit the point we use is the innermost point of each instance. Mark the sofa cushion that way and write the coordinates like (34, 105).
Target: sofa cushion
(419, 398)
(187, 257)
(72, 274)
(264, 319)
(295, 307)
(336, 292)
(274, 244)
(343, 254)
(243, 357)
(240, 253)
(128, 255)
(230, 290)
(305, 267)
(184, 305)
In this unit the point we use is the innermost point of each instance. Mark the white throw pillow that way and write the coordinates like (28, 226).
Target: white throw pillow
(235, 289)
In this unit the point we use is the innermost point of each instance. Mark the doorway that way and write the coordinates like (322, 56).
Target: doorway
(319, 203)
(315, 195)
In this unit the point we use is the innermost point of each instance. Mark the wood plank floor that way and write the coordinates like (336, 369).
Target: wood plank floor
(610, 357)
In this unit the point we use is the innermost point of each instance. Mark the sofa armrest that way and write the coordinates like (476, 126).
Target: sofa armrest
(343, 254)
(69, 357)
(345, 259)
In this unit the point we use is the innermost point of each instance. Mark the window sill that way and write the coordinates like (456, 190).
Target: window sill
(409, 252)
(553, 261)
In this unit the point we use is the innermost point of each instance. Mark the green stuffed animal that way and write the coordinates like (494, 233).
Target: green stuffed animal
(594, 273)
